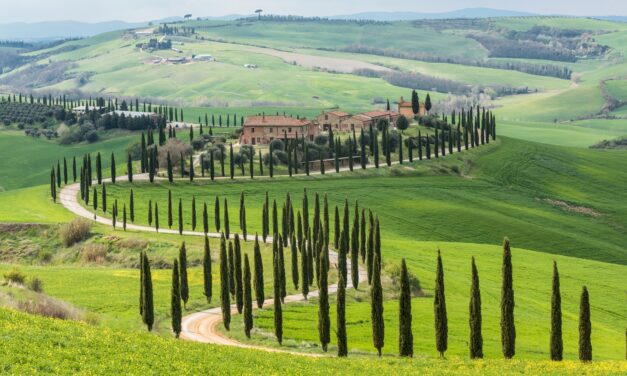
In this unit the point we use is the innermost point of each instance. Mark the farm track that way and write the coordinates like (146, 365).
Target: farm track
(204, 326)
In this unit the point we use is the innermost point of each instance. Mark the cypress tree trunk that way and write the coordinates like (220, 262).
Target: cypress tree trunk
(405, 335)
(175, 302)
(557, 346)
(278, 311)
(475, 319)
(324, 323)
(439, 308)
(508, 330)
(206, 271)
(259, 294)
(376, 297)
(585, 327)
(239, 288)
(183, 274)
(248, 299)
(225, 299)
(342, 346)
(148, 315)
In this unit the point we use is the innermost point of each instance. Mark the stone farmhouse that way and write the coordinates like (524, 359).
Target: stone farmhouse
(335, 120)
(405, 108)
(366, 119)
(262, 129)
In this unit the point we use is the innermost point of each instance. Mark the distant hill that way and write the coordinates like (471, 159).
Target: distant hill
(461, 13)
(49, 30)
(613, 18)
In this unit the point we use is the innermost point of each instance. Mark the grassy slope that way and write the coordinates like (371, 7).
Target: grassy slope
(501, 198)
(532, 285)
(27, 161)
(86, 350)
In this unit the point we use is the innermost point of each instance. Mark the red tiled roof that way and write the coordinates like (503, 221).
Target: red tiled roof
(405, 104)
(377, 113)
(361, 117)
(339, 113)
(274, 121)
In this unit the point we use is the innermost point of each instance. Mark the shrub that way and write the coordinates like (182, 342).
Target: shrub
(36, 284)
(95, 253)
(394, 272)
(75, 231)
(15, 276)
(277, 144)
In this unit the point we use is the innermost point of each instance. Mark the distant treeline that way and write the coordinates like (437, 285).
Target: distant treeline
(291, 18)
(535, 69)
(417, 81)
(524, 49)
(15, 43)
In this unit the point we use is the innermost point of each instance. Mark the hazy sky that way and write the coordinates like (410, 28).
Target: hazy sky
(142, 10)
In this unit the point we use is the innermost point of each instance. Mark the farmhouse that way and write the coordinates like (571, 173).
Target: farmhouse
(405, 108)
(366, 119)
(333, 120)
(262, 129)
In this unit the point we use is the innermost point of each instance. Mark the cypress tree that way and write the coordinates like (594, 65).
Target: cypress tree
(191, 167)
(225, 302)
(129, 168)
(99, 168)
(180, 217)
(206, 271)
(508, 329)
(419, 146)
(557, 346)
(585, 327)
(74, 169)
(193, 213)
(439, 308)
(231, 270)
(149, 212)
(175, 302)
(376, 301)
(281, 269)
(400, 148)
(205, 219)
(278, 311)
(355, 249)
(132, 205)
(147, 295)
(294, 252)
(248, 299)
(242, 215)
(362, 234)
(304, 267)
(475, 319)
(113, 168)
(405, 336)
(370, 248)
(231, 161)
(226, 218)
(337, 231)
(216, 211)
(64, 171)
(124, 217)
(95, 201)
(239, 288)
(53, 186)
(183, 274)
(324, 323)
(342, 345)
(156, 217)
(169, 208)
(305, 212)
(258, 284)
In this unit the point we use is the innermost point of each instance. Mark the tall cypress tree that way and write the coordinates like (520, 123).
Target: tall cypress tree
(113, 176)
(585, 327)
(99, 168)
(342, 345)
(242, 215)
(248, 299)
(131, 204)
(376, 299)
(148, 315)
(175, 302)
(475, 319)
(156, 217)
(294, 252)
(324, 324)
(129, 168)
(370, 247)
(508, 329)
(405, 336)
(355, 249)
(169, 208)
(193, 213)
(183, 274)
(362, 234)
(304, 267)
(439, 308)
(231, 269)
(281, 268)
(278, 310)
(206, 271)
(258, 284)
(216, 212)
(180, 217)
(205, 219)
(225, 299)
(226, 218)
(239, 287)
(557, 346)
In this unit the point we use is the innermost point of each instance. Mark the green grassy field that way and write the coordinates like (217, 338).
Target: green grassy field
(86, 350)
(26, 161)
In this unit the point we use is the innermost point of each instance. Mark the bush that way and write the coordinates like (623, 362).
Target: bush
(277, 144)
(94, 253)
(15, 276)
(75, 231)
(394, 272)
(36, 284)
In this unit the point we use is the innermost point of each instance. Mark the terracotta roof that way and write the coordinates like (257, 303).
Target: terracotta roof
(339, 113)
(377, 113)
(361, 117)
(405, 104)
(274, 121)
